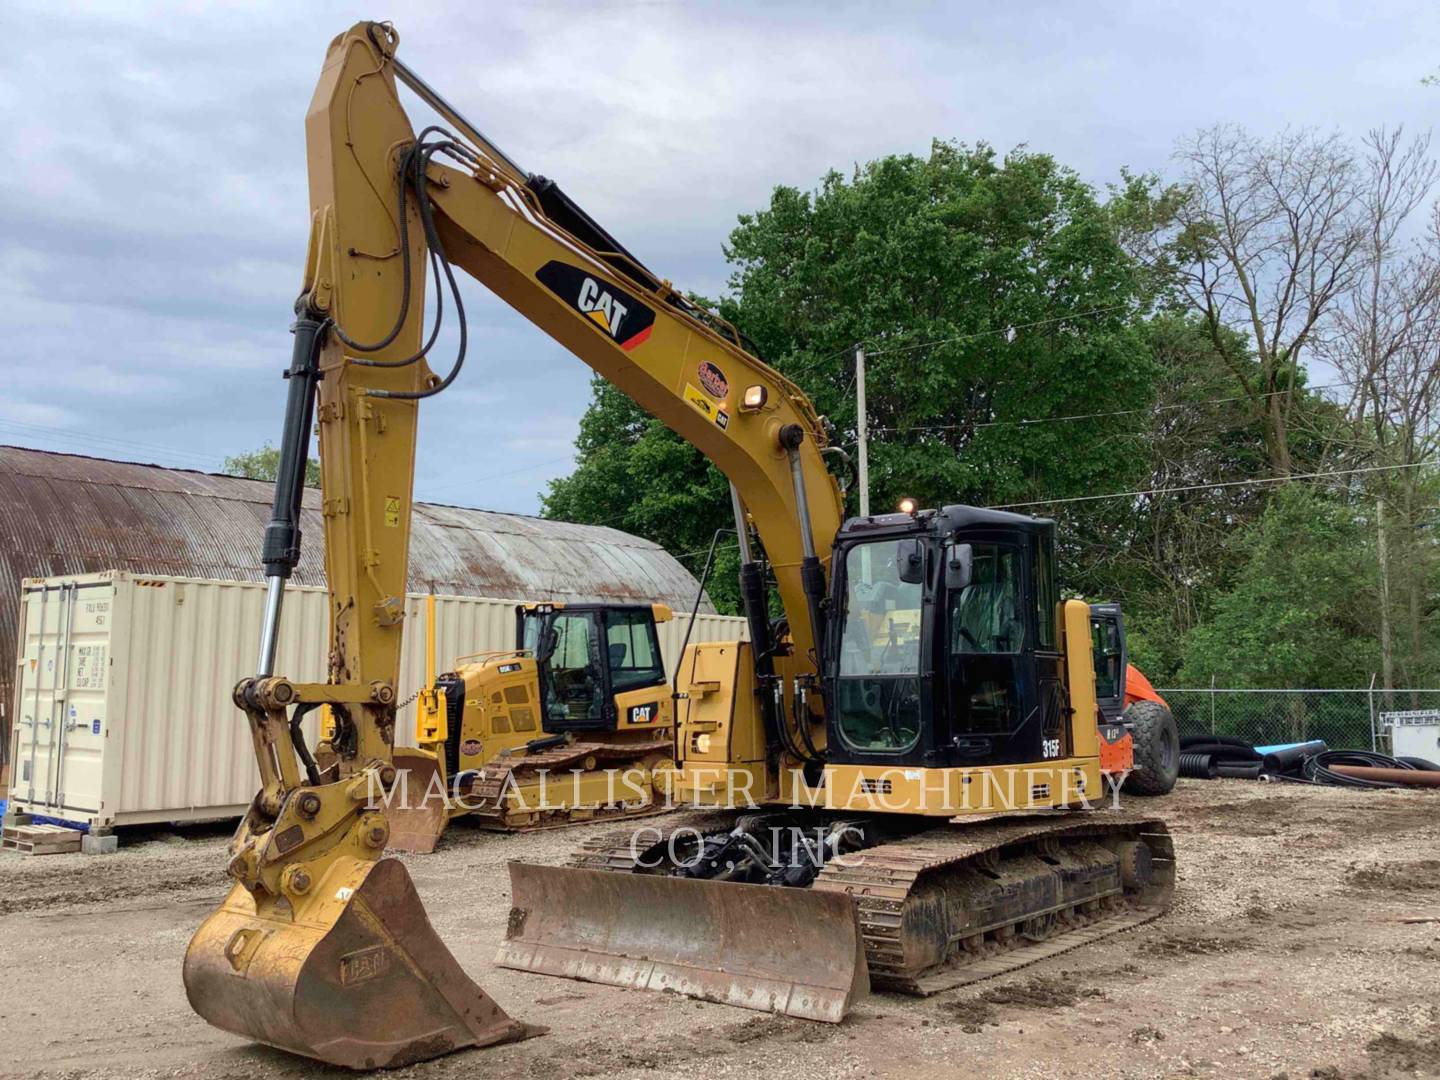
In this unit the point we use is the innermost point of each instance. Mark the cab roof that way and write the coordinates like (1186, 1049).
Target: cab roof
(946, 520)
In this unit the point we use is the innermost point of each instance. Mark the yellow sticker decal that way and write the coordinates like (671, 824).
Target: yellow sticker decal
(392, 512)
(706, 407)
(700, 401)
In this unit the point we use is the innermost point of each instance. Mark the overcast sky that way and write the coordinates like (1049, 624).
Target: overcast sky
(153, 211)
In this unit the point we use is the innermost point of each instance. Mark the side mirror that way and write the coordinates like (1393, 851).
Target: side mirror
(959, 566)
(910, 561)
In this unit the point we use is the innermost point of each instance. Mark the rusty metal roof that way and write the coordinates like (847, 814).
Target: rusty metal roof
(68, 514)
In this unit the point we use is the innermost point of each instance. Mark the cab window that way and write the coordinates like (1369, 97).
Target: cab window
(1105, 639)
(633, 650)
(1044, 575)
(985, 616)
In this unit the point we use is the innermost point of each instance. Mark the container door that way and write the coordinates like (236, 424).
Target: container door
(64, 669)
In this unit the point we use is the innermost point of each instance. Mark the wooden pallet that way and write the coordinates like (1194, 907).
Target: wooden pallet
(40, 839)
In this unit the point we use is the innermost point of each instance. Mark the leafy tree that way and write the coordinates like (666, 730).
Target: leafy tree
(1301, 612)
(1169, 555)
(987, 291)
(264, 464)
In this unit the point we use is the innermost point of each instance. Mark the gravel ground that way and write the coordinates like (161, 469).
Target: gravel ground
(1284, 955)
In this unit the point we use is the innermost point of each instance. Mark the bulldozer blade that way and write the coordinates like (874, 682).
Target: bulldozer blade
(355, 976)
(792, 951)
(417, 814)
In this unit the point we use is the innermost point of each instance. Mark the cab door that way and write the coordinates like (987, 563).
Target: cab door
(639, 693)
(573, 690)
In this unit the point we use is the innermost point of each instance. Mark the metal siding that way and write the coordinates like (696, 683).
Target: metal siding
(68, 514)
(176, 748)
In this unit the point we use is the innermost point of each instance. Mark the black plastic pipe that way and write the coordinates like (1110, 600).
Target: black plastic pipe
(1197, 766)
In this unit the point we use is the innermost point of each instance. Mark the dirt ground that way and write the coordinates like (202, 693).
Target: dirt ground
(1284, 955)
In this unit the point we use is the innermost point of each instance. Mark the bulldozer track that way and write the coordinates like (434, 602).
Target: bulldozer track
(484, 797)
(890, 874)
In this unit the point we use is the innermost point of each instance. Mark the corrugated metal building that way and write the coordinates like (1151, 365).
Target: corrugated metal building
(69, 514)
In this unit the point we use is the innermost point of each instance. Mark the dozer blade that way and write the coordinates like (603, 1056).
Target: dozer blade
(417, 815)
(791, 951)
(356, 977)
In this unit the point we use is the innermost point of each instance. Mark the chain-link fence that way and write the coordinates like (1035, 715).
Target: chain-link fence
(1345, 719)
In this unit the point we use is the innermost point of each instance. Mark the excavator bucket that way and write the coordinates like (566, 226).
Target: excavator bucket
(791, 951)
(418, 814)
(355, 976)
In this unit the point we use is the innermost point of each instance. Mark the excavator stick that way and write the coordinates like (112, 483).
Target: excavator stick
(354, 976)
(720, 941)
(418, 815)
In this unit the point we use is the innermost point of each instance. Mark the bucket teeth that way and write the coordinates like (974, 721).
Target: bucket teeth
(355, 976)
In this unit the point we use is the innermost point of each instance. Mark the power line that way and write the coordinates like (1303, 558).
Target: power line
(104, 442)
(1006, 330)
(1030, 421)
(1211, 486)
(1003, 330)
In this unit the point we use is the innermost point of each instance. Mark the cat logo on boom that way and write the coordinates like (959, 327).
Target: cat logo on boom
(623, 318)
(601, 306)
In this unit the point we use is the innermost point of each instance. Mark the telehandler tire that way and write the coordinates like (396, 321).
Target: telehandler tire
(1157, 749)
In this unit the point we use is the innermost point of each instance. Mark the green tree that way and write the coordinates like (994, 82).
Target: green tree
(987, 292)
(263, 464)
(1301, 611)
(1170, 553)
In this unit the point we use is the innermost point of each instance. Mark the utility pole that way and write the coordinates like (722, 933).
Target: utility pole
(1387, 644)
(860, 423)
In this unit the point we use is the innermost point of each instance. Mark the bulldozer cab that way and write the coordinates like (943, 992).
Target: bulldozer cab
(586, 655)
(1107, 637)
(943, 647)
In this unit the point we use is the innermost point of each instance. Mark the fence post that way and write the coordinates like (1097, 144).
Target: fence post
(1370, 698)
(1212, 704)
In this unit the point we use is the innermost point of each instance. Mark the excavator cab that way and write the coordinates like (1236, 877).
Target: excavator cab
(943, 650)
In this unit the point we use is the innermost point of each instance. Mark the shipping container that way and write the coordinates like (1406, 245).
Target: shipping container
(122, 706)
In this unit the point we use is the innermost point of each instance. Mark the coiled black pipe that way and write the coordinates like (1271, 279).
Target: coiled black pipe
(1191, 742)
(1316, 769)
(1197, 766)
(1420, 763)
(1221, 751)
(1238, 770)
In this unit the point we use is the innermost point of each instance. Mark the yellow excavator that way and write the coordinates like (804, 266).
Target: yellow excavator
(886, 775)
(575, 724)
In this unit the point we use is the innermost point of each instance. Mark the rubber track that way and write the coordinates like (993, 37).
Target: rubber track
(880, 884)
(515, 769)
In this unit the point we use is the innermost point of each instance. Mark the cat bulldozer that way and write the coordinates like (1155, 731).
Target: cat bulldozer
(900, 783)
(572, 725)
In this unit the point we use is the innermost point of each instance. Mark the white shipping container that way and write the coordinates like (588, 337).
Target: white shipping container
(123, 712)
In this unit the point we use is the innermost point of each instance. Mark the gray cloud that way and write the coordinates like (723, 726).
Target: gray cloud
(153, 205)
